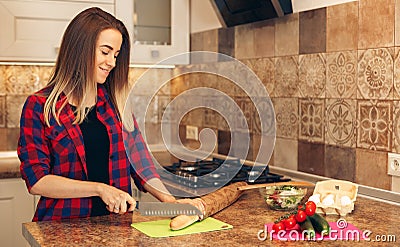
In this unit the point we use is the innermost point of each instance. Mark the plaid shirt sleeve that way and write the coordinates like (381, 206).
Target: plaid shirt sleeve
(139, 156)
(32, 148)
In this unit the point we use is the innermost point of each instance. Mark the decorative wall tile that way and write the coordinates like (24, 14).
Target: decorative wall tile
(210, 40)
(21, 79)
(264, 68)
(396, 94)
(163, 77)
(311, 158)
(396, 127)
(397, 27)
(340, 163)
(12, 138)
(286, 77)
(242, 147)
(373, 15)
(134, 74)
(209, 77)
(2, 79)
(311, 120)
(194, 117)
(374, 119)
(246, 79)
(204, 41)
(342, 27)
(312, 31)
(287, 35)
(14, 104)
(3, 111)
(196, 41)
(226, 41)
(371, 169)
(224, 142)
(341, 122)
(341, 71)
(375, 74)
(45, 73)
(211, 116)
(265, 124)
(247, 108)
(161, 104)
(179, 83)
(3, 140)
(285, 153)
(287, 117)
(262, 148)
(229, 78)
(152, 133)
(312, 75)
(244, 41)
(264, 38)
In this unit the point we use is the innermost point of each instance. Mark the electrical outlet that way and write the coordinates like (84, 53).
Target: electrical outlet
(394, 164)
(192, 133)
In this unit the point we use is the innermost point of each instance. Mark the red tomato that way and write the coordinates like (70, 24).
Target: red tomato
(300, 216)
(278, 226)
(310, 208)
(290, 222)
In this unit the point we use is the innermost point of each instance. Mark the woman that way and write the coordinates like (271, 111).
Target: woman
(71, 146)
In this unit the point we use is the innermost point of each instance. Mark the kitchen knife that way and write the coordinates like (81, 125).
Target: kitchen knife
(166, 209)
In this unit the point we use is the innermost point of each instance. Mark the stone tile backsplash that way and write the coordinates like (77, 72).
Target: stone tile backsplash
(19, 81)
(334, 78)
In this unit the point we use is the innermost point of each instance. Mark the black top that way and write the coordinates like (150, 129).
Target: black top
(97, 148)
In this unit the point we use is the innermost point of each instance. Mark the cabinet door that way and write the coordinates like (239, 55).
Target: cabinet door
(32, 30)
(16, 207)
(153, 51)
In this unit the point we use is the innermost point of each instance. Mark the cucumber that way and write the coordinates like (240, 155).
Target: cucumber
(307, 229)
(320, 224)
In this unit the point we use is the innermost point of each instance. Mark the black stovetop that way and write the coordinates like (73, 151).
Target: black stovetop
(194, 174)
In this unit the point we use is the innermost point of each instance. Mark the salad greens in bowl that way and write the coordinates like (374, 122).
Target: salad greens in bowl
(286, 197)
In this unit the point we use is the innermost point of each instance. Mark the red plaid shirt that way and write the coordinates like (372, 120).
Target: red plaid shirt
(59, 150)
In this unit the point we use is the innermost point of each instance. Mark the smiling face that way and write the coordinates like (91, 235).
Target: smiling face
(107, 49)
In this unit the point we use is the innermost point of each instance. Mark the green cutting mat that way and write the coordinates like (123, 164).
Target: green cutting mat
(160, 228)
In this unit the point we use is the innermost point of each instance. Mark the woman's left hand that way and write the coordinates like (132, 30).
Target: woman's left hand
(197, 202)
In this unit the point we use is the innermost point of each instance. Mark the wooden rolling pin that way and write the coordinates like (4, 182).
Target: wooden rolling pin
(213, 203)
(293, 183)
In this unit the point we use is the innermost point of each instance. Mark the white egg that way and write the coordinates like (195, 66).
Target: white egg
(328, 200)
(345, 200)
(316, 198)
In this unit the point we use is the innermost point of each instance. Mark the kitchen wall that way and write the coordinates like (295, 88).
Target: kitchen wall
(18, 81)
(333, 77)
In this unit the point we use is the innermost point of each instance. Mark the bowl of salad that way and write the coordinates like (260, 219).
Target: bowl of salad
(286, 197)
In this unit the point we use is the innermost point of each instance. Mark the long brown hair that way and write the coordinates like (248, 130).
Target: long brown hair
(73, 74)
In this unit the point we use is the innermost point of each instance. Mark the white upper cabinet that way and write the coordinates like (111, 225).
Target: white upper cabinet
(31, 30)
(159, 29)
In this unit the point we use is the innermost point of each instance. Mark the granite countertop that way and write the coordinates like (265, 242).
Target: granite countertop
(248, 216)
(9, 165)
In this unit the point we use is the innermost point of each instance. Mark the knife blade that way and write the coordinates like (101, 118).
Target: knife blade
(166, 209)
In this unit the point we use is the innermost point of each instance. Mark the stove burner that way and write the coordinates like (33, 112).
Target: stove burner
(216, 172)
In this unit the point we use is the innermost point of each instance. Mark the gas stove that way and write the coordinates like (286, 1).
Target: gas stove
(206, 173)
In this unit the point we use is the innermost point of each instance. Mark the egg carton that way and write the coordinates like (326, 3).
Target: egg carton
(334, 197)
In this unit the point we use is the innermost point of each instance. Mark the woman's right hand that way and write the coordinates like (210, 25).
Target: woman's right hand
(117, 201)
